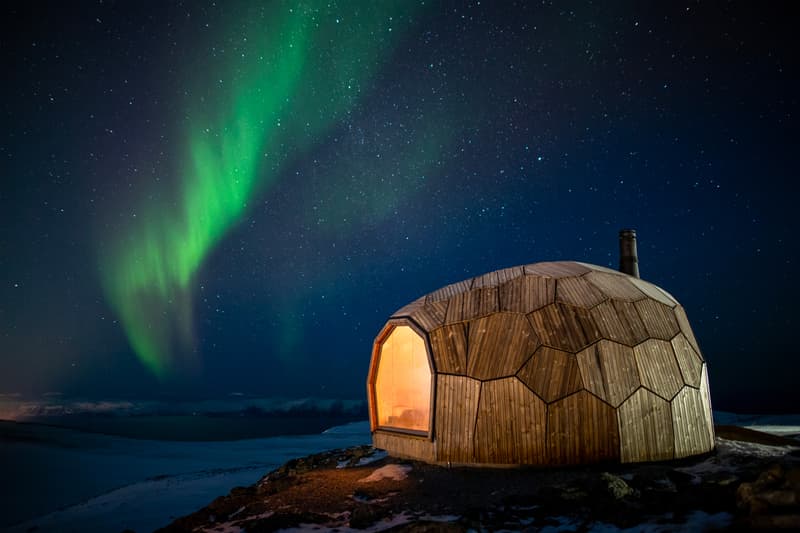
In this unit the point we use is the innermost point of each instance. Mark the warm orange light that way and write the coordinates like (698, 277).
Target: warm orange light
(403, 382)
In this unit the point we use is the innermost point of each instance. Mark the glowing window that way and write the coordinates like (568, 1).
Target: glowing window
(403, 382)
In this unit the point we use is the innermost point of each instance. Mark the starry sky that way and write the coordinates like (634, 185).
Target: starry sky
(202, 198)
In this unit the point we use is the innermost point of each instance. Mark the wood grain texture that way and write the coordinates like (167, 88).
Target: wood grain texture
(615, 286)
(689, 362)
(551, 373)
(455, 308)
(686, 329)
(655, 292)
(609, 371)
(693, 432)
(507, 274)
(498, 345)
(449, 346)
(480, 302)
(449, 290)
(564, 327)
(556, 269)
(599, 268)
(658, 368)
(581, 429)
(486, 280)
(659, 320)
(645, 428)
(527, 293)
(401, 445)
(409, 309)
(456, 411)
(705, 397)
(578, 291)
(510, 428)
(619, 321)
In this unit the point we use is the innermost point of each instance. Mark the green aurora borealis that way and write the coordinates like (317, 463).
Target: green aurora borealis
(290, 76)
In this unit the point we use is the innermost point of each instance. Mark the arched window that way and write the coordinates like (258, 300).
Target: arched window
(403, 382)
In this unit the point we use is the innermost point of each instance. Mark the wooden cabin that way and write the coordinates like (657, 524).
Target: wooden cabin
(548, 363)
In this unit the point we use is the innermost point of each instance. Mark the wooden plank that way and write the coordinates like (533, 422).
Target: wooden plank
(480, 302)
(654, 292)
(499, 345)
(578, 291)
(645, 428)
(705, 397)
(599, 268)
(658, 368)
(406, 446)
(564, 327)
(551, 373)
(428, 316)
(581, 428)
(449, 346)
(409, 309)
(614, 286)
(507, 274)
(619, 321)
(686, 329)
(527, 293)
(556, 269)
(691, 426)
(659, 320)
(510, 428)
(456, 411)
(449, 290)
(609, 371)
(486, 280)
(455, 309)
(689, 362)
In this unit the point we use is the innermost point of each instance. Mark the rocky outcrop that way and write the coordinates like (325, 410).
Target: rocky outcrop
(740, 486)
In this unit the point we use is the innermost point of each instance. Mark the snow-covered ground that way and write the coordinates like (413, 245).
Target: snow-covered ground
(105, 483)
(784, 425)
(76, 481)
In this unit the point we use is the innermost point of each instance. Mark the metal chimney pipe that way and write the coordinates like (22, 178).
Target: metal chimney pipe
(628, 256)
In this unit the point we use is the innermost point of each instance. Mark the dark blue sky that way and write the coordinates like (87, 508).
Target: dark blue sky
(486, 135)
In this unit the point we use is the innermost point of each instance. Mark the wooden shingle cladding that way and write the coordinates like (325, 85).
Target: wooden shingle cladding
(556, 363)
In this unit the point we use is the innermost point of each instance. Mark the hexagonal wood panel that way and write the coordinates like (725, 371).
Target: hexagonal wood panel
(658, 368)
(449, 345)
(688, 360)
(691, 426)
(456, 410)
(511, 424)
(654, 292)
(556, 269)
(619, 321)
(551, 373)
(527, 293)
(686, 329)
(614, 286)
(579, 292)
(609, 370)
(564, 327)
(581, 429)
(659, 320)
(645, 422)
(499, 344)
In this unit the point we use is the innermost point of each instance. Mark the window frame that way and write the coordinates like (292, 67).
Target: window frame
(373, 375)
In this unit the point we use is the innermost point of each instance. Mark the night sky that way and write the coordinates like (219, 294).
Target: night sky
(205, 198)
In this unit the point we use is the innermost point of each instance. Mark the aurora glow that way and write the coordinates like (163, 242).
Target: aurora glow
(295, 72)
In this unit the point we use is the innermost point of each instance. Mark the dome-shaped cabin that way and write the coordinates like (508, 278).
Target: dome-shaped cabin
(548, 363)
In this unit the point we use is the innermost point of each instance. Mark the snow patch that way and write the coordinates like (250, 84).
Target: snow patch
(394, 472)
